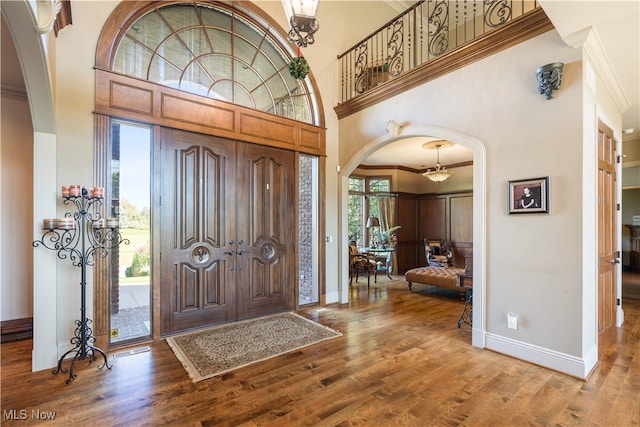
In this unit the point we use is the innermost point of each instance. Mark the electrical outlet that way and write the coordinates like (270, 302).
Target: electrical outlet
(512, 321)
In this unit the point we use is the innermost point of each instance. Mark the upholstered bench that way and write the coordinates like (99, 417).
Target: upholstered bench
(444, 277)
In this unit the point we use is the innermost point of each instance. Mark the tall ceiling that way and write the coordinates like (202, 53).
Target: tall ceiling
(616, 23)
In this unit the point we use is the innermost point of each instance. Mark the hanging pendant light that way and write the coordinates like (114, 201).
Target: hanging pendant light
(301, 15)
(440, 173)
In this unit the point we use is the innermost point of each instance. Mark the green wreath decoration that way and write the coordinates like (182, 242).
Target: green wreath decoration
(299, 68)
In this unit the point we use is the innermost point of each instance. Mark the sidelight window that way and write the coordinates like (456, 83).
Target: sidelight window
(130, 291)
(308, 230)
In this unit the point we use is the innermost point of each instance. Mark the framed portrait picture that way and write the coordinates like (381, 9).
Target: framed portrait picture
(529, 196)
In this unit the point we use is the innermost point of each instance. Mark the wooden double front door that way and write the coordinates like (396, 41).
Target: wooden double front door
(227, 238)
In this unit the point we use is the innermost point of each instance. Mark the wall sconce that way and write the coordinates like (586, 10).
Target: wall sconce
(549, 78)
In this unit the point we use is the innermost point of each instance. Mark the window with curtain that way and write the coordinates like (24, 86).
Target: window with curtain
(364, 193)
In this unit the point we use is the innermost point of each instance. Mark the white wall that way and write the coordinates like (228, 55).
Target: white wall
(76, 46)
(16, 177)
(533, 262)
(74, 88)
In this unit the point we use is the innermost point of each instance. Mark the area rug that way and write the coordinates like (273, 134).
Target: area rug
(215, 351)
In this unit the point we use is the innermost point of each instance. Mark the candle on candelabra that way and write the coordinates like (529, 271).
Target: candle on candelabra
(112, 222)
(75, 190)
(66, 223)
(49, 223)
(99, 223)
(96, 192)
(66, 191)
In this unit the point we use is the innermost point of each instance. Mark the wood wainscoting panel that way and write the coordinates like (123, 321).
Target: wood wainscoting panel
(311, 138)
(408, 249)
(181, 109)
(16, 329)
(433, 218)
(126, 97)
(268, 127)
(131, 98)
(447, 217)
(461, 217)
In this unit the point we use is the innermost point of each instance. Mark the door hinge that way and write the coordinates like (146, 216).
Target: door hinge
(160, 200)
(618, 302)
(617, 254)
(618, 158)
(617, 206)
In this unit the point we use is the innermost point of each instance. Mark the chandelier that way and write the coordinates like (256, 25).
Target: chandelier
(301, 15)
(440, 173)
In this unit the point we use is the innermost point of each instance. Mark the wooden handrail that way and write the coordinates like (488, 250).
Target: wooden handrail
(513, 32)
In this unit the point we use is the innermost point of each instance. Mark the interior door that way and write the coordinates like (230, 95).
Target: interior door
(266, 230)
(197, 231)
(607, 259)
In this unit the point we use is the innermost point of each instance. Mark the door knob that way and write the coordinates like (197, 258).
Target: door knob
(615, 261)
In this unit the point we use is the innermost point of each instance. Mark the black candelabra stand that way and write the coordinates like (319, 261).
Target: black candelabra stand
(81, 236)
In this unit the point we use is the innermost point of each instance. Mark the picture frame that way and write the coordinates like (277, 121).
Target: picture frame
(527, 196)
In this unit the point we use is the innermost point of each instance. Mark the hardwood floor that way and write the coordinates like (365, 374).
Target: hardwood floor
(402, 361)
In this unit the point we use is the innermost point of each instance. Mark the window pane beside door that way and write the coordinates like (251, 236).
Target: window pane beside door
(308, 229)
(130, 290)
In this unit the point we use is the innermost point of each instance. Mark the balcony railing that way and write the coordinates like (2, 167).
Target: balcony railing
(427, 31)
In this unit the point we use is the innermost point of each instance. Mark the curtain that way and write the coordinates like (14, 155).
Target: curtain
(387, 212)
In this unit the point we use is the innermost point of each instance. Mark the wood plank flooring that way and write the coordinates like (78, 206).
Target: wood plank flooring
(402, 361)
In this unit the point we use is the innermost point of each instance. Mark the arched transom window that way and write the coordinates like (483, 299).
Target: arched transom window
(217, 52)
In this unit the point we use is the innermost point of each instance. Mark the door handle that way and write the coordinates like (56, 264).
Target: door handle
(615, 261)
(230, 253)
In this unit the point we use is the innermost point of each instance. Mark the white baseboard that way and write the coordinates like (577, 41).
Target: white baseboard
(332, 297)
(561, 362)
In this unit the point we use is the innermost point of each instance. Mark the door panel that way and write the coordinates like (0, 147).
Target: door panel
(228, 231)
(196, 269)
(607, 269)
(266, 227)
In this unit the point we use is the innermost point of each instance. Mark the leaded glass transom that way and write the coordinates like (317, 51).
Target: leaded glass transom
(216, 52)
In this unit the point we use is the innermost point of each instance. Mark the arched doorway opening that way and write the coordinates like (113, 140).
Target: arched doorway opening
(479, 222)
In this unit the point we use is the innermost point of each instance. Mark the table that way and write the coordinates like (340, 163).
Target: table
(466, 316)
(381, 254)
